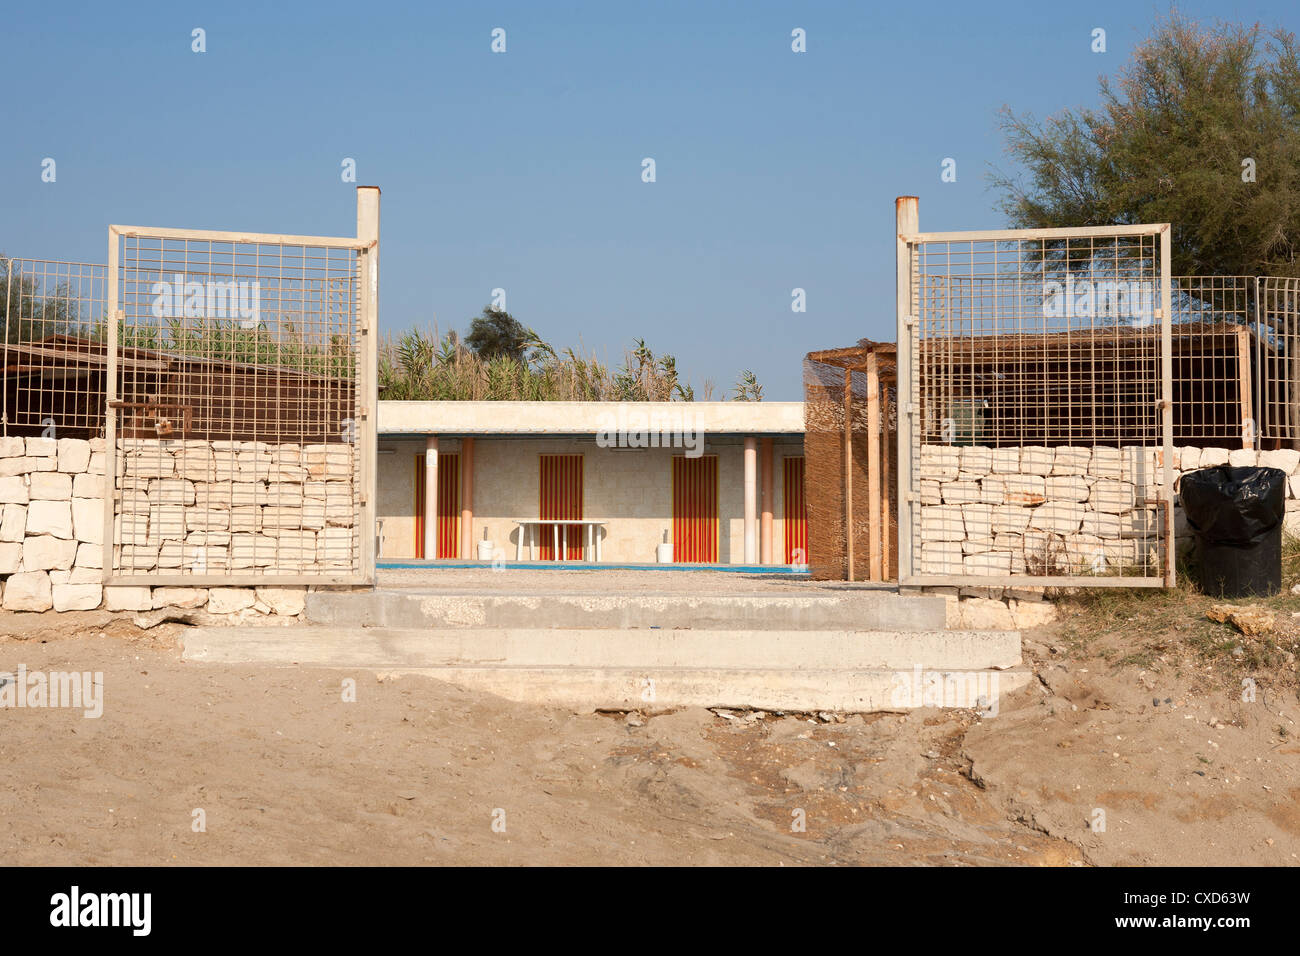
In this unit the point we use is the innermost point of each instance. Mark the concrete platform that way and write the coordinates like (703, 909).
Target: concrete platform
(807, 691)
(810, 609)
(590, 668)
(648, 649)
(625, 639)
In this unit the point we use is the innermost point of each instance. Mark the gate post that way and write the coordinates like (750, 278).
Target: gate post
(111, 293)
(368, 231)
(907, 224)
(1167, 398)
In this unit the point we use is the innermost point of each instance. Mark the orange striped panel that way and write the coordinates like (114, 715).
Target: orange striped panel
(561, 497)
(695, 509)
(795, 511)
(449, 506)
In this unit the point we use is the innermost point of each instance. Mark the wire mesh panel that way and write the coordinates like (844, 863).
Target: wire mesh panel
(1217, 382)
(236, 408)
(54, 348)
(1278, 350)
(1039, 423)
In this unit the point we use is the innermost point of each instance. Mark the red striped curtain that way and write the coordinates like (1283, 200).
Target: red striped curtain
(561, 497)
(448, 506)
(695, 509)
(796, 511)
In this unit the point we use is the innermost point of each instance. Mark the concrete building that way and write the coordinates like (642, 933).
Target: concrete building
(614, 482)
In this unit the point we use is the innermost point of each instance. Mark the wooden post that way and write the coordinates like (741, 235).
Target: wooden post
(430, 497)
(766, 494)
(885, 490)
(848, 469)
(1244, 384)
(467, 498)
(873, 465)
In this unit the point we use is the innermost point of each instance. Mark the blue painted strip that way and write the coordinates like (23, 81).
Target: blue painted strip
(587, 566)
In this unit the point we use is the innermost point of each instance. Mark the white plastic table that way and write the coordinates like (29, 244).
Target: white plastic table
(559, 536)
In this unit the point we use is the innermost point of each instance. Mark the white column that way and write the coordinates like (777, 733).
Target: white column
(431, 497)
(751, 501)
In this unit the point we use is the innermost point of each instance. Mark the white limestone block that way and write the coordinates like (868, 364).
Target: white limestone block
(128, 598)
(50, 486)
(50, 518)
(1036, 460)
(1112, 497)
(28, 591)
(88, 520)
(1006, 461)
(13, 490)
(13, 523)
(1067, 488)
(1072, 460)
(77, 597)
(1058, 517)
(45, 552)
(73, 455)
(942, 523)
(954, 493)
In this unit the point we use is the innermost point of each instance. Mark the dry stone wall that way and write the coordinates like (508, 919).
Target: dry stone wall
(187, 507)
(1064, 510)
(212, 507)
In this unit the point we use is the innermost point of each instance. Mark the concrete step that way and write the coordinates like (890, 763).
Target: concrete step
(645, 649)
(654, 669)
(798, 691)
(814, 610)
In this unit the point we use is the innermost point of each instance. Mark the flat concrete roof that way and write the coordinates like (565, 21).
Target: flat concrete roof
(588, 418)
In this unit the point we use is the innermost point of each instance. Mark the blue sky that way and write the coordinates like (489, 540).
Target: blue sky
(522, 170)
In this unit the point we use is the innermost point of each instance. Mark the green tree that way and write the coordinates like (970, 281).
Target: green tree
(1171, 142)
(498, 334)
(31, 310)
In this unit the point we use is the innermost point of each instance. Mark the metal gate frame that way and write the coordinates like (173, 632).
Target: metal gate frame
(366, 245)
(1277, 349)
(909, 237)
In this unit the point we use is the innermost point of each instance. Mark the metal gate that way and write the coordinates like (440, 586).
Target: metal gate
(1035, 378)
(1278, 357)
(240, 406)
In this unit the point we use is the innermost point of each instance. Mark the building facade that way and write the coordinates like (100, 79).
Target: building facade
(613, 482)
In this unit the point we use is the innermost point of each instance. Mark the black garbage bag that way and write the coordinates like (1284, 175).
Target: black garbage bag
(1236, 514)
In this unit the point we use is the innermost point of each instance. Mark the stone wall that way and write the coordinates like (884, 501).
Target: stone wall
(217, 506)
(1064, 510)
(188, 507)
